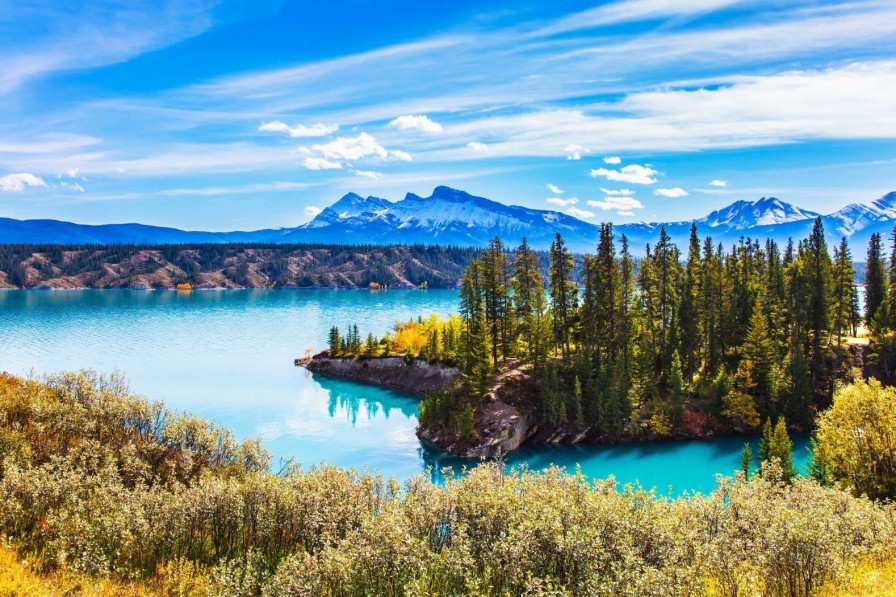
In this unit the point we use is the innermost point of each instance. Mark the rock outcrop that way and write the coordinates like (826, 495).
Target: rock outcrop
(412, 376)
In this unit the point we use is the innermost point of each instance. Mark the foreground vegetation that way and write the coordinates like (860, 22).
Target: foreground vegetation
(98, 483)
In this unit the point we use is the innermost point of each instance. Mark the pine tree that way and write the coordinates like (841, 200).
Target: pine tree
(759, 353)
(370, 346)
(688, 315)
(844, 303)
(528, 296)
(496, 296)
(564, 294)
(746, 457)
(677, 395)
(335, 341)
(475, 366)
(875, 279)
(818, 270)
(776, 445)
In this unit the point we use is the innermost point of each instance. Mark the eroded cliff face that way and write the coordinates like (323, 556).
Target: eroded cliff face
(412, 376)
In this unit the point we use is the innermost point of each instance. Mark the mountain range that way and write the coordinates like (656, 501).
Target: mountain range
(453, 217)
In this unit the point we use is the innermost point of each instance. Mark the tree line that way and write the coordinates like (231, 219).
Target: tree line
(724, 336)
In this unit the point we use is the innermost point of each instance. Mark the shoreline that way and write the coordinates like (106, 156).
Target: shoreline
(502, 427)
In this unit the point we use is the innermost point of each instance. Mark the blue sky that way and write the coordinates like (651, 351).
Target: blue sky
(243, 115)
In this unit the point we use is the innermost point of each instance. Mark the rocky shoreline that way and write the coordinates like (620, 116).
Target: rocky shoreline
(404, 374)
(502, 421)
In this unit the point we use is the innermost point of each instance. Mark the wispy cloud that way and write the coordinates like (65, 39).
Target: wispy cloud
(559, 201)
(718, 183)
(312, 210)
(555, 189)
(299, 130)
(371, 174)
(318, 163)
(612, 159)
(98, 34)
(579, 213)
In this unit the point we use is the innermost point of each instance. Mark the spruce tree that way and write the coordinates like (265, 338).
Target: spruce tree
(759, 353)
(844, 299)
(688, 314)
(496, 296)
(746, 457)
(564, 294)
(875, 279)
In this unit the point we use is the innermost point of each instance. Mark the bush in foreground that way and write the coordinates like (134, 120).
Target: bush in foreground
(97, 482)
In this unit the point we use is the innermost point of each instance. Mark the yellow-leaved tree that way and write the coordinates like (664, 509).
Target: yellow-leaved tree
(856, 441)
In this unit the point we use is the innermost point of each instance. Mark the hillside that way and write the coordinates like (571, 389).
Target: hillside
(230, 266)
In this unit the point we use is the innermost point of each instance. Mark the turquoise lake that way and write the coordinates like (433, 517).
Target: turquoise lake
(228, 355)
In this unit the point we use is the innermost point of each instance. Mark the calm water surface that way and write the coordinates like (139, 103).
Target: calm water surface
(227, 355)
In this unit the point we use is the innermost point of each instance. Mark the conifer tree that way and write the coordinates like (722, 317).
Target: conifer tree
(688, 314)
(493, 276)
(759, 353)
(844, 299)
(475, 364)
(564, 294)
(818, 270)
(335, 341)
(528, 296)
(875, 279)
(746, 457)
(677, 395)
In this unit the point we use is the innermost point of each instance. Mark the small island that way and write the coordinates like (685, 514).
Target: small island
(722, 341)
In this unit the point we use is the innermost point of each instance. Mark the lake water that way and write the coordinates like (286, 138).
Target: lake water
(228, 356)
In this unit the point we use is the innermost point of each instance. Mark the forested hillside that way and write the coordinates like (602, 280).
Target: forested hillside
(231, 266)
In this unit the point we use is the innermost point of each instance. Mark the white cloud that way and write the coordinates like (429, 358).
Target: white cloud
(315, 163)
(312, 210)
(16, 183)
(73, 186)
(672, 193)
(573, 151)
(612, 159)
(562, 202)
(419, 122)
(579, 213)
(397, 154)
(617, 192)
(555, 189)
(479, 147)
(633, 173)
(623, 205)
(369, 174)
(628, 213)
(71, 173)
(718, 183)
(356, 148)
(300, 130)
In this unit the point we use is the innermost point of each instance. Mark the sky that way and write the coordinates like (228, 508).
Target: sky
(239, 115)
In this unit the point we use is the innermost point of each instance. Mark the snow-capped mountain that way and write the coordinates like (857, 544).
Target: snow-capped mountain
(743, 215)
(448, 216)
(453, 217)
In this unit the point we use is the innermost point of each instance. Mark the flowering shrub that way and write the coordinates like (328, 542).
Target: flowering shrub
(96, 481)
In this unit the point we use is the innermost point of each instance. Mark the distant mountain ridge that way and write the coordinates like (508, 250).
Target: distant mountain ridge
(454, 217)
